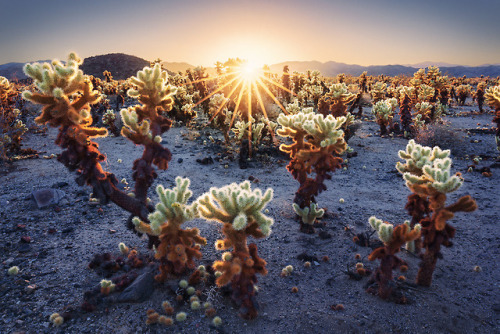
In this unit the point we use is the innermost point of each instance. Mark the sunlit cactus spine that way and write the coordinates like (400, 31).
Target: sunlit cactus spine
(240, 210)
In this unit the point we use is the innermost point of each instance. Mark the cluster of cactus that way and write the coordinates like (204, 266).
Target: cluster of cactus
(66, 95)
(12, 127)
(317, 142)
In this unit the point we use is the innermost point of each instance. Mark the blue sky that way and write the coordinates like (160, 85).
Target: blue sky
(365, 32)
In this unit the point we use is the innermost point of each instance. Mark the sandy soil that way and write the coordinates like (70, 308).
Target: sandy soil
(54, 265)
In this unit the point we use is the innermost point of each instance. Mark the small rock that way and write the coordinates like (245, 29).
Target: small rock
(46, 197)
(60, 184)
(26, 239)
(139, 290)
(68, 230)
(205, 161)
(24, 248)
(111, 231)
(180, 160)
(30, 289)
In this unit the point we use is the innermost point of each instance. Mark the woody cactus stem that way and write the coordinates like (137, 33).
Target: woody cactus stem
(393, 238)
(405, 113)
(54, 85)
(427, 174)
(239, 209)
(177, 248)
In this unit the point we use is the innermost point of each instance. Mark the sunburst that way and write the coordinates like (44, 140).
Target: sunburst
(247, 82)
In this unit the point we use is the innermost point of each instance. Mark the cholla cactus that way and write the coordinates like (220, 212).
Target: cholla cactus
(219, 114)
(378, 91)
(316, 139)
(309, 214)
(293, 107)
(425, 93)
(145, 123)
(384, 112)
(463, 91)
(109, 119)
(178, 247)
(393, 238)
(427, 171)
(66, 94)
(241, 130)
(183, 107)
(338, 98)
(239, 209)
(58, 88)
(427, 174)
(493, 99)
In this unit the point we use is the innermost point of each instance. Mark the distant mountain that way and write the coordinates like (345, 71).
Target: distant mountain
(15, 70)
(121, 66)
(331, 69)
(176, 66)
(428, 63)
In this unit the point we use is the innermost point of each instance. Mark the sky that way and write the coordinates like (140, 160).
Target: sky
(364, 32)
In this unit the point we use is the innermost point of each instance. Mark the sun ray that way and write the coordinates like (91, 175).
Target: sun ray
(226, 101)
(215, 92)
(238, 103)
(261, 103)
(272, 95)
(208, 78)
(278, 85)
(249, 114)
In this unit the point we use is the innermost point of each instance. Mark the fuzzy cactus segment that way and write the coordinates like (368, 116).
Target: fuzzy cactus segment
(56, 84)
(178, 247)
(152, 88)
(309, 214)
(427, 170)
(237, 204)
(239, 209)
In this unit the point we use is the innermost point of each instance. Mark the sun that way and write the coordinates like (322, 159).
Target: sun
(246, 82)
(250, 71)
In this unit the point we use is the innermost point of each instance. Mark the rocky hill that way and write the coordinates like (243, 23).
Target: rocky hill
(120, 65)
